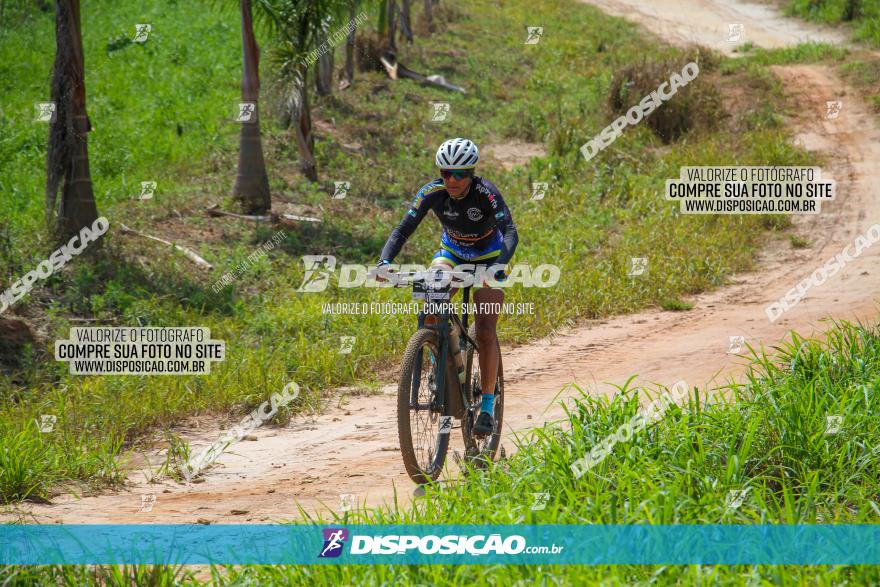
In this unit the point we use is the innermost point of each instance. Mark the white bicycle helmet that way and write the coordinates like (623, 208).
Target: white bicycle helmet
(457, 154)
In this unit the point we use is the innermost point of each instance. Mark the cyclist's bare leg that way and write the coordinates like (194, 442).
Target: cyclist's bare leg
(487, 340)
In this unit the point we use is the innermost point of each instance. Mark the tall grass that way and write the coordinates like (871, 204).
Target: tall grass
(105, 576)
(768, 437)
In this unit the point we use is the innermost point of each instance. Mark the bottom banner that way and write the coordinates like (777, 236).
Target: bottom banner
(439, 544)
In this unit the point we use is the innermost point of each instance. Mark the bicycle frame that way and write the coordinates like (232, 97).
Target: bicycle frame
(448, 374)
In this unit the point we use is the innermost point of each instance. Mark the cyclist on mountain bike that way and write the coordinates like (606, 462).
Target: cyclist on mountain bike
(478, 229)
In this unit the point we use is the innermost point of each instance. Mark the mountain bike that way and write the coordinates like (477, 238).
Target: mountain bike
(431, 393)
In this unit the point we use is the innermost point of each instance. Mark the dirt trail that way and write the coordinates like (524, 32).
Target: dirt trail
(706, 22)
(353, 449)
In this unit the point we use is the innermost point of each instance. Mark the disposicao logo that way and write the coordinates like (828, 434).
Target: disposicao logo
(334, 540)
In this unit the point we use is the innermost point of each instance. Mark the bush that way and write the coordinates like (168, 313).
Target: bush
(697, 104)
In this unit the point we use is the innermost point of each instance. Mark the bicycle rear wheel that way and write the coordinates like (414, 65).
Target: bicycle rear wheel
(422, 443)
(482, 451)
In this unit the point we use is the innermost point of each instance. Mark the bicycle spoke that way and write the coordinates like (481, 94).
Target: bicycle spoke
(424, 422)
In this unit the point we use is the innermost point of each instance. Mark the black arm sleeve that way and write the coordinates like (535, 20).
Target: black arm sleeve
(504, 222)
(407, 226)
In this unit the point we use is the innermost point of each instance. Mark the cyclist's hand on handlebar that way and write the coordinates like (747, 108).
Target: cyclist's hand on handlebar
(378, 270)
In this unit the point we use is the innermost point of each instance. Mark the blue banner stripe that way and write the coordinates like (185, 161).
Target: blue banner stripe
(423, 544)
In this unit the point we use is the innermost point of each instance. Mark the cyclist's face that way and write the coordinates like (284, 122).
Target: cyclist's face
(457, 187)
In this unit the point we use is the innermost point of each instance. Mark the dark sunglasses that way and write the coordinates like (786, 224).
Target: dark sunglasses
(456, 173)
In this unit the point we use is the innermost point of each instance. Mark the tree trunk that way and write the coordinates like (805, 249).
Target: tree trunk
(392, 25)
(324, 67)
(851, 11)
(252, 183)
(429, 19)
(301, 118)
(15, 337)
(405, 24)
(68, 154)
(348, 73)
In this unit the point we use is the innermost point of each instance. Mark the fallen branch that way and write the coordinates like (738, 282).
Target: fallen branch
(300, 218)
(189, 254)
(216, 211)
(437, 81)
(390, 68)
(273, 218)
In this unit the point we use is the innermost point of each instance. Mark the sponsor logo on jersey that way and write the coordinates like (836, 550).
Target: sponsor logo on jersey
(474, 214)
(465, 239)
(422, 193)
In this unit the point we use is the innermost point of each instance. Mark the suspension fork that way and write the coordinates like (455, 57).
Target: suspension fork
(442, 328)
(466, 391)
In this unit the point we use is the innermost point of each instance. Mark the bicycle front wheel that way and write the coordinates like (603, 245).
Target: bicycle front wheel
(420, 409)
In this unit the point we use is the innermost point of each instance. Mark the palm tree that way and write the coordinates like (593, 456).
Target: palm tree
(429, 19)
(67, 160)
(391, 23)
(405, 24)
(252, 183)
(297, 23)
(324, 65)
(348, 72)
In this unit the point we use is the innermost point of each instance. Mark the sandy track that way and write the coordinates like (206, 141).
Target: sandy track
(353, 449)
(706, 22)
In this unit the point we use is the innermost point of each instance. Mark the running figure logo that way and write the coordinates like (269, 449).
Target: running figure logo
(141, 32)
(45, 112)
(735, 32)
(441, 111)
(832, 109)
(246, 112)
(148, 188)
(736, 344)
(638, 265)
(316, 278)
(534, 35)
(334, 540)
(341, 189)
(539, 188)
(46, 423)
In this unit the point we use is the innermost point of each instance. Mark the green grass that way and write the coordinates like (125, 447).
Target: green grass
(798, 242)
(675, 305)
(865, 75)
(809, 52)
(865, 19)
(594, 219)
(115, 576)
(769, 435)
(154, 106)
